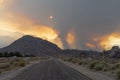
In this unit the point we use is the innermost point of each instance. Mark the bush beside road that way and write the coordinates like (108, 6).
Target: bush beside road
(95, 67)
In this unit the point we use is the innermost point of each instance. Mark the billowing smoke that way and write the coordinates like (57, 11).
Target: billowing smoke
(71, 39)
(14, 25)
(81, 24)
(90, 45)
(107, 41)
(22, 24)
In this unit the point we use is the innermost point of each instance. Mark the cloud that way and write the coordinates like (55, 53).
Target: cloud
(21, 24)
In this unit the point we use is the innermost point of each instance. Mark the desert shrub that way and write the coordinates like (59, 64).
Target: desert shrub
(70, 59)
(15, 64)
(17, 59)
(115, 66)
(98, 66)
(92, 65)
(4, 65)
(0, 71)
(82, 62)
(20, 63)
(73, 61)
(11, 62)
(62, 58)
(118, 73)
(105, 70)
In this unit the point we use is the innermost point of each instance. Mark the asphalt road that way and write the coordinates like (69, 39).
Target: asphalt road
(51, 69)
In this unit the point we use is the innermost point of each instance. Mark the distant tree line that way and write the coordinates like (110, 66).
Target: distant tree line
(12, 54)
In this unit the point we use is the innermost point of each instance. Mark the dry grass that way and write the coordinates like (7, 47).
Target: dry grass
(108, 65)
(7, 64)
(37, 58)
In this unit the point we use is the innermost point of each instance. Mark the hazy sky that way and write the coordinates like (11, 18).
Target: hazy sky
(81, 24)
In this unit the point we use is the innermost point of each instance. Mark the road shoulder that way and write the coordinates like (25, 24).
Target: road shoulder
(91, 74)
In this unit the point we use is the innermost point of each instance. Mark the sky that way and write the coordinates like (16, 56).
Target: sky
(70, 24)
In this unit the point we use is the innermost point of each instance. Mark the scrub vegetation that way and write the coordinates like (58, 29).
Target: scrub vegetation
(108, 65)
(10, 63)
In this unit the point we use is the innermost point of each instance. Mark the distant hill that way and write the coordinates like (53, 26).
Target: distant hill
(113, 53)
(32, 45)
(78, 53)
(28, 45)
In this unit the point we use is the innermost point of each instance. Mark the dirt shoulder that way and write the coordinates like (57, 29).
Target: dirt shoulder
(10, 74)
(91, 74)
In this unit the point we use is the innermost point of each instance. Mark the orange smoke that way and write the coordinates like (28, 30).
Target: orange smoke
(11, 23)
(2, 3)
(108, 41)
(5, 3)
(90, 45)
(24, 25)
(70, 38)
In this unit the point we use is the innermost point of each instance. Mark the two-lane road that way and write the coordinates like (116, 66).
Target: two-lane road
(51, 69)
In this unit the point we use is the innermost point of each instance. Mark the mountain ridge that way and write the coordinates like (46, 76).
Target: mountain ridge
(28, 44)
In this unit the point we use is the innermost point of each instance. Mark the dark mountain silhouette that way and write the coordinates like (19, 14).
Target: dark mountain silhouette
(28, 45)
(78, 53)
(114, 52)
